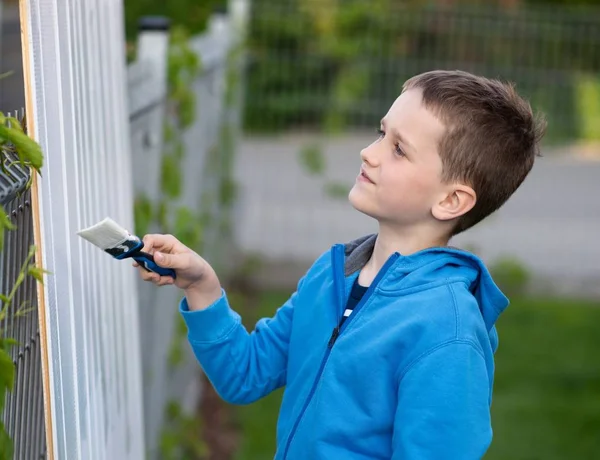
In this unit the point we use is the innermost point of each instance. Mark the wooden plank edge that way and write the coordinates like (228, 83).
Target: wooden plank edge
(37, 227)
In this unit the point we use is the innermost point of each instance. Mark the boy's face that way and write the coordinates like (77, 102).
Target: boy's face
(400, 177)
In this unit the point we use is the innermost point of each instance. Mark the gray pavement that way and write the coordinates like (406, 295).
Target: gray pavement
(551, 224)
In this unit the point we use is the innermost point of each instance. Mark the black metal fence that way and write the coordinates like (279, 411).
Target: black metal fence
(337, 65)
(24, 409)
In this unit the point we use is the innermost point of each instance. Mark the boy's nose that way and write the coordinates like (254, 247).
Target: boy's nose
(369, 154)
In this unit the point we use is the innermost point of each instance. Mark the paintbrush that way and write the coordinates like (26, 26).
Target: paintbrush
(119, 243)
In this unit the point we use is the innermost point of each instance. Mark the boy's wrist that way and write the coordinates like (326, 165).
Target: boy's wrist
(200, 298)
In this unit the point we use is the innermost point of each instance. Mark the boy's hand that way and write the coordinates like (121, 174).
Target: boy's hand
(194, 275)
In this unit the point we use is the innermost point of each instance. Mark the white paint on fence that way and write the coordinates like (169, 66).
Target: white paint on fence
(77, 56)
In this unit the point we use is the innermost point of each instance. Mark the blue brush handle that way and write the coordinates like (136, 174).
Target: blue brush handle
(147, 261)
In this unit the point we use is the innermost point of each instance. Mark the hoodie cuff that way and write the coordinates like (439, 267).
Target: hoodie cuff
(212, 324)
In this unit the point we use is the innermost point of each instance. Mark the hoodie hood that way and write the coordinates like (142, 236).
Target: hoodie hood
(439, 264)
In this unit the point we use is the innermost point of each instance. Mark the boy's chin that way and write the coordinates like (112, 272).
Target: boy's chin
(359, 203)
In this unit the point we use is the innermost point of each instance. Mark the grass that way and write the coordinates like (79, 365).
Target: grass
(547, 387)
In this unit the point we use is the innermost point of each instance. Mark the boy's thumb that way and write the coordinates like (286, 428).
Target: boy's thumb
(166, 260)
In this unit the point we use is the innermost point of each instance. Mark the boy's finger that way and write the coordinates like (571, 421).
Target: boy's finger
(165, 281)
(148, 241)
(163, 243)
(175, 261)
(148, 276)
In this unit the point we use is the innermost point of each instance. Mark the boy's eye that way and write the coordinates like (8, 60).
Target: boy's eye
(397, 147)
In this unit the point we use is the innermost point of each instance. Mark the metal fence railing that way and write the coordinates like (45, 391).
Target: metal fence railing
(23, 414)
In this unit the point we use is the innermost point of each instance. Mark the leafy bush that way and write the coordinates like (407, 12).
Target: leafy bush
(511, 276)
(191, 14)
(332, 65)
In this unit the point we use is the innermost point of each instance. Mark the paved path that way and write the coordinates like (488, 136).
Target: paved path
(552, 224)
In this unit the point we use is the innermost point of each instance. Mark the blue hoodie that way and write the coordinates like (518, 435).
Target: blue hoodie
(408, 376)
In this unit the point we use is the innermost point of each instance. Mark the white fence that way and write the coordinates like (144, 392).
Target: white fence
(105, 335)
(77, 105)
(164, 382)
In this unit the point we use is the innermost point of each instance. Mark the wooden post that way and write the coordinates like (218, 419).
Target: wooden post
(24, 6)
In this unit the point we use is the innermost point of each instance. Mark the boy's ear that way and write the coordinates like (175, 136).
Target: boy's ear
(457, 202)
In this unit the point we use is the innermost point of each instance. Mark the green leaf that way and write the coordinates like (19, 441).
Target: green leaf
(336, 190)
(175, 357)
(227, 191)
(8, 343)
(37, 273)
(187, 109)
(171, 176)
(6, 444)
(4, 298)
(311, 158)
(181, 327)
(15, 123)
(2, 401)
(162, 216)
(5, 222)
(142, 211)
(7, 370)
(169, 445)
(188, 228)
(169, 133)
(173, 410)
(27, 149)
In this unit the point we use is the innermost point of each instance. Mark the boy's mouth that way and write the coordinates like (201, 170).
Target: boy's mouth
(364, 176)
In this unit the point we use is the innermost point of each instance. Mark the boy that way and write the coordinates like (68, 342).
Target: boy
(386, 349)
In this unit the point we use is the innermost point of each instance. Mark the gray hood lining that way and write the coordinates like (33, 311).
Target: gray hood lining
(358, 252)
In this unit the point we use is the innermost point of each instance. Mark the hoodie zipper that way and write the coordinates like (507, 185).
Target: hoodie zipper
(339, 283)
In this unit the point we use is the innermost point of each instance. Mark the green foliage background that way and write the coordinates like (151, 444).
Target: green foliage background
(336, 64)
(330, 65)
(190, 14)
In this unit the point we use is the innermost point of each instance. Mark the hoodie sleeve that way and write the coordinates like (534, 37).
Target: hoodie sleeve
(242, 366)
(444, 406)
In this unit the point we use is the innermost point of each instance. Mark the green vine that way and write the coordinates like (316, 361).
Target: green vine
(176, 352)
(142, 214)
(222, 155)
(16, 147)
(183, 66)
(179, 438)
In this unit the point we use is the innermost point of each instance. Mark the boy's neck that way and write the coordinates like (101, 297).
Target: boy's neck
(404, 241)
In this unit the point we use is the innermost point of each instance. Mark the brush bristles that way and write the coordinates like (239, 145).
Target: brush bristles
(106, 234)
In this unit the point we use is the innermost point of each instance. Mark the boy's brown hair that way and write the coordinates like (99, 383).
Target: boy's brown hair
(492, 136)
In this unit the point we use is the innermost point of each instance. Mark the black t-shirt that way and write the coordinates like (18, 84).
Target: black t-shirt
(356, 294)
